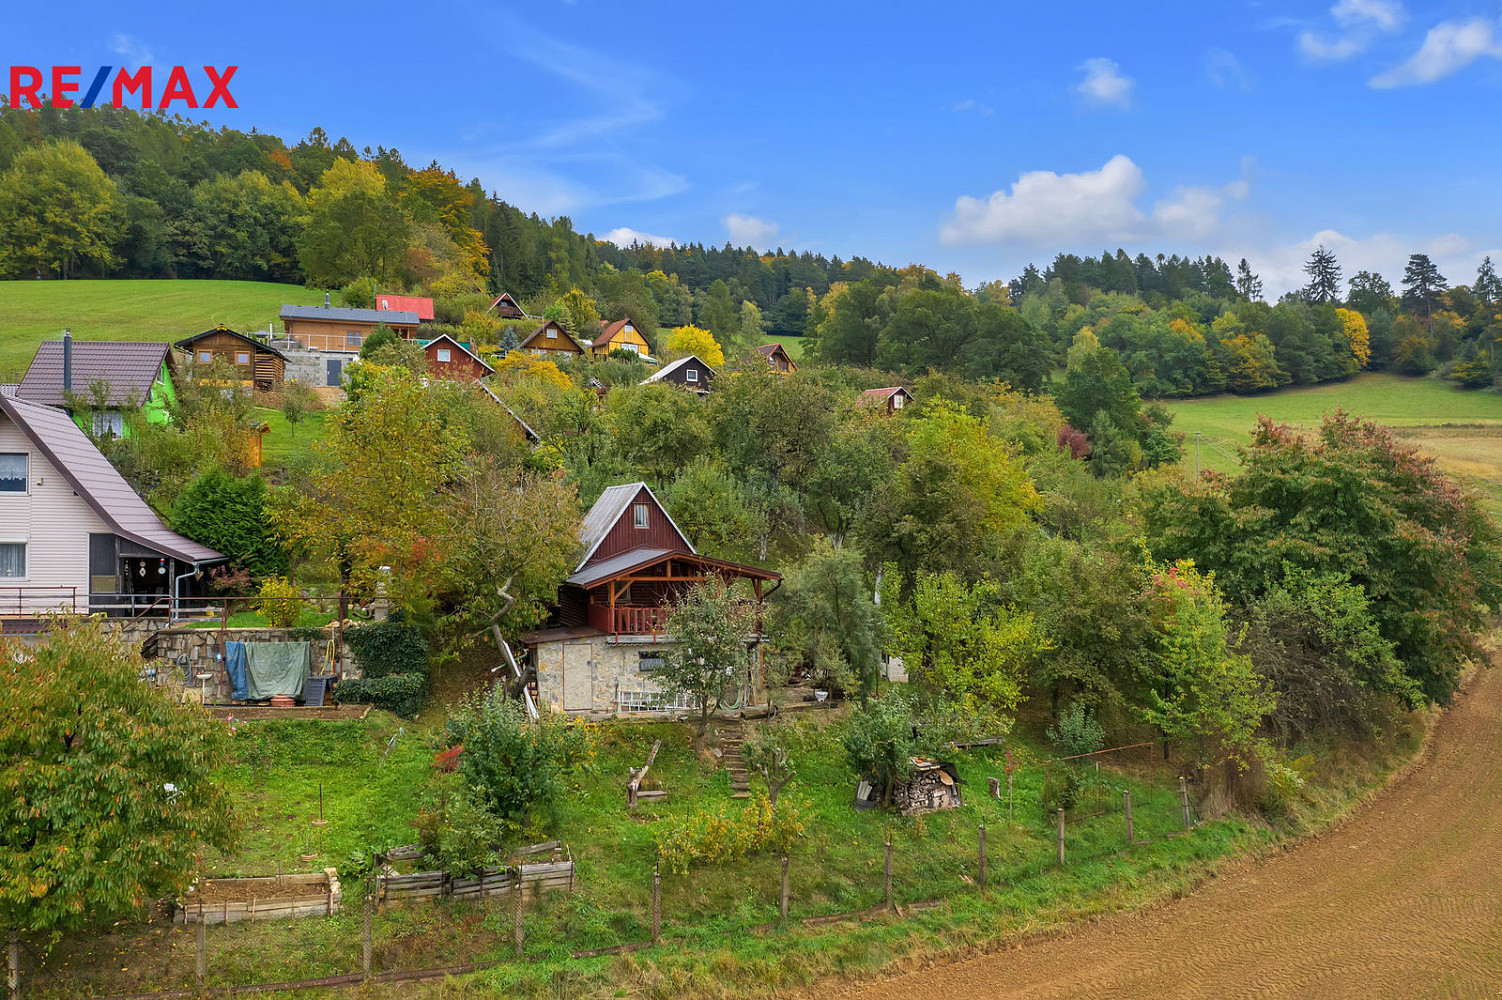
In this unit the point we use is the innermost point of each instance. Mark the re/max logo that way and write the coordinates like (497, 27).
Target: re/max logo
(26, 81)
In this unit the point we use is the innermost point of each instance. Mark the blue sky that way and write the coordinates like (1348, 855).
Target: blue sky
(971, 137)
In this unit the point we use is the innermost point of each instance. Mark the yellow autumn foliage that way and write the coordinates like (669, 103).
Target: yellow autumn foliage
(517, 365)
(685, 340)
(1353, 324)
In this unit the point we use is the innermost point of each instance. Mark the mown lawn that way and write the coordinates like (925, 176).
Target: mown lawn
(284, 441)
(1461, 429)
(33, 311)
(793, 345)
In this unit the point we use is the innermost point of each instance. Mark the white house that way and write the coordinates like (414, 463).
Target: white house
(74, 536)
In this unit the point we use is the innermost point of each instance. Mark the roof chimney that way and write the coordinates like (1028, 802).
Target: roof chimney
(325, 300)
(67, 361)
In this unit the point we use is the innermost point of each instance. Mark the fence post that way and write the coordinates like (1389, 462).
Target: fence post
(1061, 836)
(201, 956)
(367, 944)
(656, 905)
(516, 912)
(782, 904)
(1126, 808)
(983, 855)
(887, 874)
(1184, 802)
(13, 966)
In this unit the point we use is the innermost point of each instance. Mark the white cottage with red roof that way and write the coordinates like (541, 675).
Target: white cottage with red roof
(606, 634)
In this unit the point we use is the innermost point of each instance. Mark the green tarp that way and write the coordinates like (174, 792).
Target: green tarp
(277, 668)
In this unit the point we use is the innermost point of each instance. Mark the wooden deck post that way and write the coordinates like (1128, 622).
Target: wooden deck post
(887, 874)
(656, 905)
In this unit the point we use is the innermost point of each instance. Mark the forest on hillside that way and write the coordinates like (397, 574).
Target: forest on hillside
(153, 196)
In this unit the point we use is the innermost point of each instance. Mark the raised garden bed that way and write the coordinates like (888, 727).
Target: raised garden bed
(228, 900)
(491, 882)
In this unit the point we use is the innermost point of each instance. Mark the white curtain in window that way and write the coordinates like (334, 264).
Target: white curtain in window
(13, 473)
(12, 560)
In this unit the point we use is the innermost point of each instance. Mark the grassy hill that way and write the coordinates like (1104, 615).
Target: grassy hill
(1461, 429)
(34, 311)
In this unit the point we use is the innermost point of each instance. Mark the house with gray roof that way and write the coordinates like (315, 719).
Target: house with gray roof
(74, 536)
(104, 378)
(335, 334)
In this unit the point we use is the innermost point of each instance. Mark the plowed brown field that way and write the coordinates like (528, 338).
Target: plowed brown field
(1404, 900)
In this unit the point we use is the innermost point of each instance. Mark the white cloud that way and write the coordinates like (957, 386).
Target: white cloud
(1448, 48)
(1339, 50)
(1104, 84)
(625, 237)
(1282, 267)
(1223, 69)
(1047, 209)
(970, 104)
(747, 230)
(1360, 19)
(1385, 14)
(131, 49)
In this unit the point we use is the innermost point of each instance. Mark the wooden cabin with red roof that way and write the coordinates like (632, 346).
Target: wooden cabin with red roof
(778, 357)
(621, 335)
(607, 633)
(451, 360)
(891, 399)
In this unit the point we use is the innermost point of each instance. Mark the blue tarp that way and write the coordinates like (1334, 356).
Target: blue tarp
(234, 665)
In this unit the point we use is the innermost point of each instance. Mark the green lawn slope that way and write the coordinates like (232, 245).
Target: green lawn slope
(34, 311)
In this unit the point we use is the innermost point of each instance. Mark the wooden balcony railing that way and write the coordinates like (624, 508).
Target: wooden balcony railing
(629, 619)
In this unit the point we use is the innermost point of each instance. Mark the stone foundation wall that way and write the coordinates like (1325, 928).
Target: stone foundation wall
(180, 654)
(603, 670)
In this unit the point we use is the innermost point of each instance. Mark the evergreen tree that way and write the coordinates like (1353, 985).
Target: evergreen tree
(1488, 288)
(1324, 277)
(1422, 283)
(1369, 292)
(1248, 285)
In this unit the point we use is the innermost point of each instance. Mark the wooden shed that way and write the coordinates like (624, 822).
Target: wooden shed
(262, 365)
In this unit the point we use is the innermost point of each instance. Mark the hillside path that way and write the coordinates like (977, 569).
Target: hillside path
(1403, 900)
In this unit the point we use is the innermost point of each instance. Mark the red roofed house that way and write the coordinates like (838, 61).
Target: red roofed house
(73, 534)
(620, 335)
(778, 357)
(605, 636)
(891, 399)
(406, 304)
(449, 359)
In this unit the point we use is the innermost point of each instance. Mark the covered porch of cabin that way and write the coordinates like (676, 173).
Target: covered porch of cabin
(632, 594)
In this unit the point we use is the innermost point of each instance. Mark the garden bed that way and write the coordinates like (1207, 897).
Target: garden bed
(228, 900)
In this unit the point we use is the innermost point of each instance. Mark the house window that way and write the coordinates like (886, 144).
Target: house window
(692, 374)
(12, 560)
(205, 357)
(643, 520)
(896, 400)
(443, 354)
(353, 339)
(649, 663)
(242, 357)
(552, 333)
(108, 423)
(632, 348)
(13, 473)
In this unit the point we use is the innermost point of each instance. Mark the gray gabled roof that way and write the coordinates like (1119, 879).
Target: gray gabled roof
(670, 368)
(607, 568)
(95, 480)
(608, 510)
(334, 314)
(129, 367)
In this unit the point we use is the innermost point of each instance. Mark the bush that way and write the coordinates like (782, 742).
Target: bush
(712, 837)
(394, 646)
(229, 514)
(520, 765)
(400, 694)
(359, 294)
(1077, 732)
(457, 832)
(281, 601)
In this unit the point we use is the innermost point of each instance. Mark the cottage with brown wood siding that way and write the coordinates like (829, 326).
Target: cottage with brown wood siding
(550, 338)
(778, 357)
(889, 400)
(506, 307)
(606, 634)
(449, 359)
(325, 328)
(261, 365)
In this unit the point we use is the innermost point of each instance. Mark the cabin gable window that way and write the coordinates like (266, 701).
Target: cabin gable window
(13, 472)
(643, 519)
(692, 374)
(444, 354)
